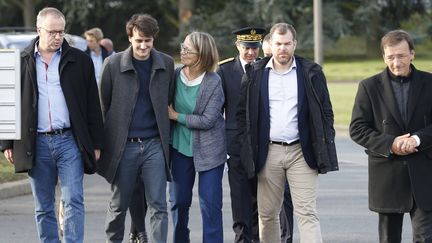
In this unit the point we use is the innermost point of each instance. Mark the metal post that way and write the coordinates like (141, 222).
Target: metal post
(318, 50)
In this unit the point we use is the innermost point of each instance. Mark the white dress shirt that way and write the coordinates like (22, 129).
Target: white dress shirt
(283, 103)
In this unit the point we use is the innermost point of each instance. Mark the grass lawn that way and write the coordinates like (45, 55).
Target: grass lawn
(358, 70)
(343, 78)
(7, 171)
(342, 96)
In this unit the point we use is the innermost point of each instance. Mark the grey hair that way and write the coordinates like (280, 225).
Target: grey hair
(48, 11)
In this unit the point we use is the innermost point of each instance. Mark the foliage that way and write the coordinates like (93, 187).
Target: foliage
(7, 171)
(367, 19)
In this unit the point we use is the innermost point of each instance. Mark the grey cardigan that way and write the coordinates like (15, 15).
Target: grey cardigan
(119, 92)
(208, 125)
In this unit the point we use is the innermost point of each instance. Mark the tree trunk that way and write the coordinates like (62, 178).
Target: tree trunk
(29, 13)
(185, 12)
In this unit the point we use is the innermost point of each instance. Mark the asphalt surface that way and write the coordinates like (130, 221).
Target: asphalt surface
(342, 206)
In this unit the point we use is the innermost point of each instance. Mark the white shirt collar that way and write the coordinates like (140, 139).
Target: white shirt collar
(193, 82)
(270, 65)
(243, 63)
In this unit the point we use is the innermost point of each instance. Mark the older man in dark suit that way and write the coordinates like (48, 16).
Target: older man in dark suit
(392, 119)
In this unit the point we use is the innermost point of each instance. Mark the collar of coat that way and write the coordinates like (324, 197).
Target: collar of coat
(127, 65)
(29, 50)
(306, 65)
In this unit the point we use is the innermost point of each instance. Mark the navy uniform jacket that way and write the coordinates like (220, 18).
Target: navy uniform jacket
(231, 73)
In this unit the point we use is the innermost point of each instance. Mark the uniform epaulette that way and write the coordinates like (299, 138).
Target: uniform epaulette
(226, 60)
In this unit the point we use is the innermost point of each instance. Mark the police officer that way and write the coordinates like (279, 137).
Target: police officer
(242, 178)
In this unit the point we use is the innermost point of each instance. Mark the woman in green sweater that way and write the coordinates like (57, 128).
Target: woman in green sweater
(198, 138)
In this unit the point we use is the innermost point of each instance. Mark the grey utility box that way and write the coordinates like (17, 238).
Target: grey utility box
(10, 94)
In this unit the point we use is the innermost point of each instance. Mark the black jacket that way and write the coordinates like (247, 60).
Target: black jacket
(315, 117)
(105, 53)
(376, 121)
(79, 87)
(231, 73)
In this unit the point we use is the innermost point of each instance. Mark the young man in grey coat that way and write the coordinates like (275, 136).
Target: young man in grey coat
(135, 90)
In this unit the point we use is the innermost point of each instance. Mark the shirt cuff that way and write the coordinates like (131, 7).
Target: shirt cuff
(417, 140)
(181, 118)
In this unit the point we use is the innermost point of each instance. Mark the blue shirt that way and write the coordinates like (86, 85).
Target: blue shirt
(97, 63)
(52, 109)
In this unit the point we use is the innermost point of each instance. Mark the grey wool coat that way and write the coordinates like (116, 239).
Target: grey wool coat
(119, 93)
(207, 124)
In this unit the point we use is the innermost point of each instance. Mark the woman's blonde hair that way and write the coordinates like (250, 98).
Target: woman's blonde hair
(205, 45)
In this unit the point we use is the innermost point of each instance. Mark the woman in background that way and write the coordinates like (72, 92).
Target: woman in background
(198, 138)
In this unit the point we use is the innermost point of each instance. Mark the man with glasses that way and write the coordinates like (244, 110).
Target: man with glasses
(392, 119)
(61, 124)
(136, 89)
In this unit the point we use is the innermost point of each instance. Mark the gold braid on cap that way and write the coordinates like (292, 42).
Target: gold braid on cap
(252, 37)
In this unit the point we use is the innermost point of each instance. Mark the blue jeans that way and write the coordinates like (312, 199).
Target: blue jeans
(145, 159)
(210, 197)
(57, 156)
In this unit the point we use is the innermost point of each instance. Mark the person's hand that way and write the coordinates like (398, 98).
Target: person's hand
(172, 113)
(97, 153)
(404, 145)
(8, 155)
(409, 145)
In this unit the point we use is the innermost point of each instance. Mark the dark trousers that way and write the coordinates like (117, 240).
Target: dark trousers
(244, 206)
(138, 209)
(210, 199)
(243, 202)
(390, 226)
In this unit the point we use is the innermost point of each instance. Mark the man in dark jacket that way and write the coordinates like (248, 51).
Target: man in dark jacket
(95, 50)
(285, 122)
(61, 123)
(136, 88)
(242, 179)
(392, 119)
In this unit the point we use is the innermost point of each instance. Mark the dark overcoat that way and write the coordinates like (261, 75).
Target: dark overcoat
(314, 111)
(78, 83)
(231, 73)
(119, 93)
(395, 180)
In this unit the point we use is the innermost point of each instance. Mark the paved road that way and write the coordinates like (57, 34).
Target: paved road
(342, 206)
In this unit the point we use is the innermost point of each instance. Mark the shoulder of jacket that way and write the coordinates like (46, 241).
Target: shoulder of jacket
(228, 60)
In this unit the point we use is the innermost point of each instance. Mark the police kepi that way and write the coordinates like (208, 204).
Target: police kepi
(250, 36)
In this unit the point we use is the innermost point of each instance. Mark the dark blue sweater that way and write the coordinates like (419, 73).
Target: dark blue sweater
(143, 124)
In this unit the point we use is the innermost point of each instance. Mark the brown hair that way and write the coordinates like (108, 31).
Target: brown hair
(143, 23)
(395, 37)
(205, 45)
(283, 28)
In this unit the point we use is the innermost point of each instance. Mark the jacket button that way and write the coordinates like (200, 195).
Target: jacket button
(31, 129)
(404, 162)
(29, 153)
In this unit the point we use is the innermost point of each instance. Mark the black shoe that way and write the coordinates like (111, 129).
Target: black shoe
(142, 237)
(132, 238)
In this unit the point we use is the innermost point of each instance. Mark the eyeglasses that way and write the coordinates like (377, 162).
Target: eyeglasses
(53, 33)
(185, 50)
